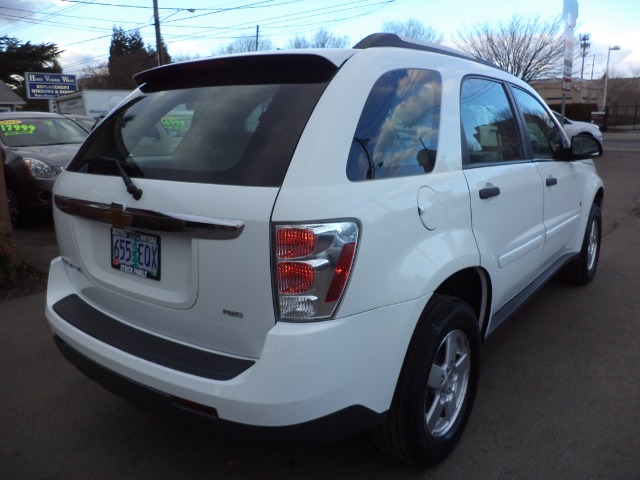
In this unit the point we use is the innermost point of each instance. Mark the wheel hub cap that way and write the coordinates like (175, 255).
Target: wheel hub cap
(448, 381)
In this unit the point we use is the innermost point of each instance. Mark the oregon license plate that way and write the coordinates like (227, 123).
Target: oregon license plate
(136, 253)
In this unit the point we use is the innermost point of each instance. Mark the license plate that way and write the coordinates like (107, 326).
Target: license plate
(136, 253)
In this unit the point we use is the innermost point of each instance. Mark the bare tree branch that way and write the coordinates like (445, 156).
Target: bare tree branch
(528, 49)
(323, 38)
(413, 28)
(246, 43)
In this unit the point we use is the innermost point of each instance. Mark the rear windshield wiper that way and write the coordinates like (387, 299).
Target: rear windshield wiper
(135, 192)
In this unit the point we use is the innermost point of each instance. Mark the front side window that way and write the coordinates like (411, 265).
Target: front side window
(544, 135)
(488, 123)
(397, 134)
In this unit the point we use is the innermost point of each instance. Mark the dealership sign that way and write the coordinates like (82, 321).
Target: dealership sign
(49, 85)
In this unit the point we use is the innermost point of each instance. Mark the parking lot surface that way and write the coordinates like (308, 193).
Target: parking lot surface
(558, 397)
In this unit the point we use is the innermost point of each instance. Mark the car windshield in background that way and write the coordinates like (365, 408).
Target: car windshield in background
(233, 135)
(36, 132)
(85, 122)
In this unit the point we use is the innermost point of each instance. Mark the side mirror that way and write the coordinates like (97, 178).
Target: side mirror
(583, 147)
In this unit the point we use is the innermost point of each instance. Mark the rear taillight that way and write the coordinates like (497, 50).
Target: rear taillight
(312, 267)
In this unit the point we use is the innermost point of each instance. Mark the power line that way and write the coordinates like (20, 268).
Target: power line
(273, 23)
(319, 14)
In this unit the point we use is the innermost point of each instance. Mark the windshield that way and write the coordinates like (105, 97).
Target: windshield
(37, 132)
(229, 122)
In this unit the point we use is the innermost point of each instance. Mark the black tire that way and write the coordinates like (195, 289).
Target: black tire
(582, 270)
(427, 418)
(19, 216)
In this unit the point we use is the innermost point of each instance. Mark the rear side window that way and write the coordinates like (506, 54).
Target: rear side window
(232, 122)
(488, 123)
(397, 134)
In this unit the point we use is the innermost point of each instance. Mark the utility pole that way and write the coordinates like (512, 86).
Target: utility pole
(584, 45)
(257, 35)
(158, 37)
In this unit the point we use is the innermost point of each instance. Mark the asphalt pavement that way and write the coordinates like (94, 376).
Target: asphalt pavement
(559, 394)
(37, 245)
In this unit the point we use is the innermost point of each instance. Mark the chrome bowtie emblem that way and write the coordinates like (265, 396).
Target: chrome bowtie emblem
(118, 217)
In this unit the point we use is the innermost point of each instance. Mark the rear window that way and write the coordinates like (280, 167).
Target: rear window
(223, 123)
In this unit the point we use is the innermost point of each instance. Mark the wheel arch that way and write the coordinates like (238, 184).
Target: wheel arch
(11, 178)
(473, 285)
(584, 134)
(599, 197)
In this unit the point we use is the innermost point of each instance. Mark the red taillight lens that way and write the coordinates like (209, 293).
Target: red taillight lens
(312, 265)
(295, 242)
(341, 272)
(295, 277)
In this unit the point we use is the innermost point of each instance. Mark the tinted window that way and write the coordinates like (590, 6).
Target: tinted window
(397, 134)
(488, 124)
(544, 136)
(241, 130)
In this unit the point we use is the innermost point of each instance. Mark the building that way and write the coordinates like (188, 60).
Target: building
(582, 91)
(9, 100)
(587, 99)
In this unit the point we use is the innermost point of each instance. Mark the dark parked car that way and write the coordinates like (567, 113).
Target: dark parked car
(35, 147)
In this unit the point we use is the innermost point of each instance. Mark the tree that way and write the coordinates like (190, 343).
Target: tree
(166, 58)
(96, 77)
(246, 43)
(528, 49)
(413, 28)
(321, 39)
(187, 57)
(17, 58)
(128, 56)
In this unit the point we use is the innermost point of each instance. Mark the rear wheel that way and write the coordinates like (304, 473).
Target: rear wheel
(437, 386)
(582, 270)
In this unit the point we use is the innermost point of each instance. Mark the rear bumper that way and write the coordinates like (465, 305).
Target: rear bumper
(339, 424)
(312, 383)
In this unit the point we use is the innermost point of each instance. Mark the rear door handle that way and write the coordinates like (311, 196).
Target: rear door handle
(489, 192)
(551, 181)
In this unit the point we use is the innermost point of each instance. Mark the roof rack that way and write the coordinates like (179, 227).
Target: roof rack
(392, 40)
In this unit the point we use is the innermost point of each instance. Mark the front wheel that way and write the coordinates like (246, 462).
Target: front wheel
(437, 385)
(18, 214)
(582, 270)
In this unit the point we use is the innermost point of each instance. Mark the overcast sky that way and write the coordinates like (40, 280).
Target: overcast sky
(82, 28)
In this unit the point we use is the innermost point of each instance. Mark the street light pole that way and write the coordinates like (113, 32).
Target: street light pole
(606, 77)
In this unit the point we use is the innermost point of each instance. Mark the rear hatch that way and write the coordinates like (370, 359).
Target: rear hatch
(163, 217)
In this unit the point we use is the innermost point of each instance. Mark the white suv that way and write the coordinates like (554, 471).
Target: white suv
(308, 244)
